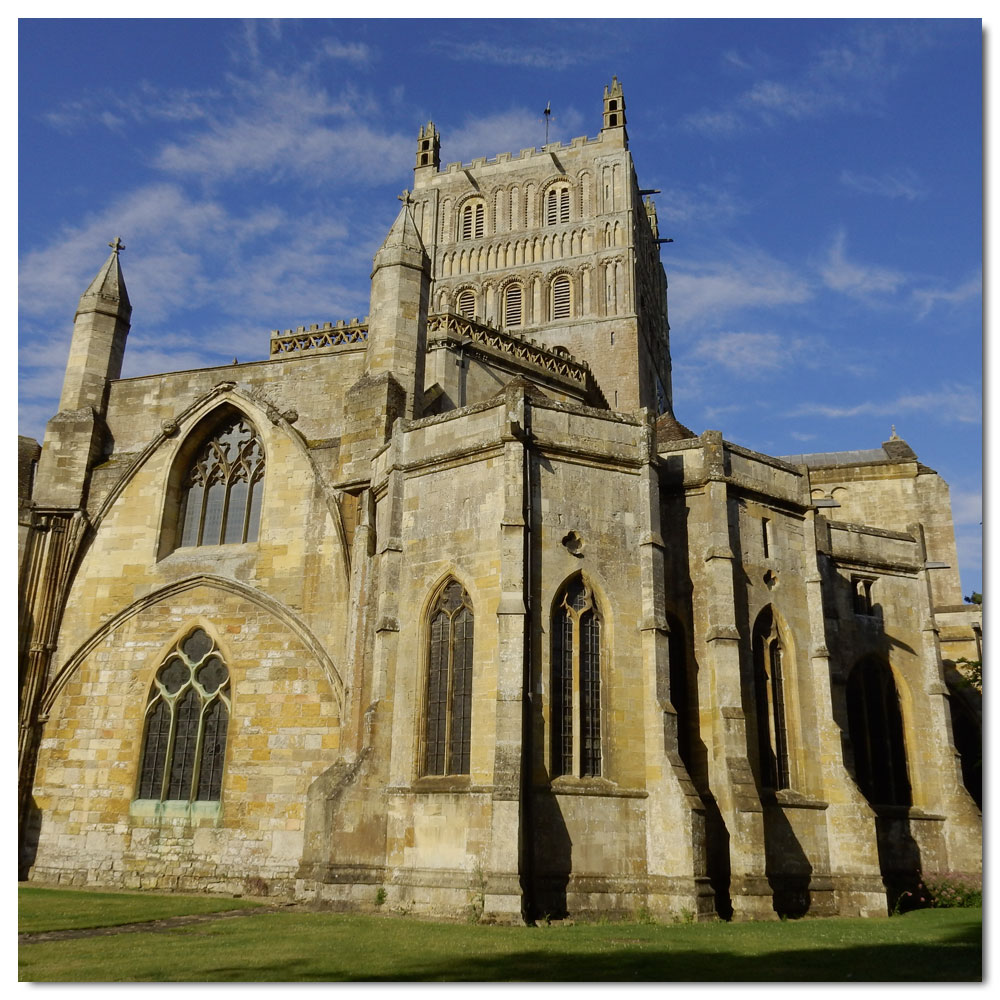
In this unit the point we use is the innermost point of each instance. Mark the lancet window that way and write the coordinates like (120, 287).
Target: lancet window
(875, 724)
(448, 731)
(187, 717)
(222, 488)
(769, 703)
(576, 683)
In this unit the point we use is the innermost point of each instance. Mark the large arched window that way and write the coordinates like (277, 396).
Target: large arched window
(576, 682)
(512, 301)
(184, 742)
(221, 490)
(875, 724)
(768, 703)
(448, 731)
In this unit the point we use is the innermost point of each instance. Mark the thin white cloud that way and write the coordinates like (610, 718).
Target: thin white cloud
(746, 279)
(848, 75)
(967, 291)
(548, 58)
(857, 280)
(746, 354)
(967, 506)
(356, 52)
(952, 403)
(903, 183)
(507, 132)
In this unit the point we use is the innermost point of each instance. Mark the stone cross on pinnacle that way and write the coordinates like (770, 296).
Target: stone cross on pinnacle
(116, 245)
(405, 197)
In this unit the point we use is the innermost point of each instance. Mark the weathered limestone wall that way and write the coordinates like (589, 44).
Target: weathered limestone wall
(283, 730)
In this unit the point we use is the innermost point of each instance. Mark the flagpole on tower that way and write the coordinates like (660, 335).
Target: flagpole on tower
(547, 112)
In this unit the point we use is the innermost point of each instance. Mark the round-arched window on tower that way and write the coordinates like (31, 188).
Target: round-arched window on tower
(467, 304)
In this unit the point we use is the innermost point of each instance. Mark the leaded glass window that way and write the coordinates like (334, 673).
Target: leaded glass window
(448, 734)
(187, 716)
(576, 683)
(222, 488)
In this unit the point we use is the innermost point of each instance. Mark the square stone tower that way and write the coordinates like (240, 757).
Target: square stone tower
(555, 245)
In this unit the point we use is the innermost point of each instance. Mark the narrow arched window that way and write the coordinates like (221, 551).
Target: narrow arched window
(473, 220)
(875, 725)
(557, 205)
(221, 499)
(768, 704)
(512, 305)
(467, 304)
(561, 297)
(576, 683)
(187, 717)
(448, 730)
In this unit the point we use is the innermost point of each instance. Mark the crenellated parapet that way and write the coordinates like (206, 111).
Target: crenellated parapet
(316, 338)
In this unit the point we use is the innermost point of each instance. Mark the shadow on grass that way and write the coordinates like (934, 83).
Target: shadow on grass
(956, 958)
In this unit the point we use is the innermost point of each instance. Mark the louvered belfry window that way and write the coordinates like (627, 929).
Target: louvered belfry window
(512, 305)
(474, 221)
(223, 487)
(467, 304)
(448, 734)
(560, 297)
(187, 718)
(557, 206)
(576, 683)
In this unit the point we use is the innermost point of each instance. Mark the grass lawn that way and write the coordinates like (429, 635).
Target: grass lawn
(73, 909)
(926, 945)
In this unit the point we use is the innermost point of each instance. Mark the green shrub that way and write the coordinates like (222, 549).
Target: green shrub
(952, 889)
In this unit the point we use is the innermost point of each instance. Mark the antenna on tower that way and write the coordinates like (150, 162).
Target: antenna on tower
(547, 112)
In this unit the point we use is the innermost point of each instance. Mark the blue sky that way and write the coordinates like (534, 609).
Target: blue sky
(821, 179)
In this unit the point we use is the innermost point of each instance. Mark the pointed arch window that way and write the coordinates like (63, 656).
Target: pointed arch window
(222, 488)
(769, 704)
(875, 725)
(473, 220)
(187, 718)
(448, 729)
(512, 305)
(576, 683)
(561, 301)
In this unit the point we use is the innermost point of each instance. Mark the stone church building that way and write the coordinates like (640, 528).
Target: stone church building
(444, 610)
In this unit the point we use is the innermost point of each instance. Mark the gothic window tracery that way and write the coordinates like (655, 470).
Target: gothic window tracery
(448, 727)
(222, 489)
(187, 718)
(576, 683)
